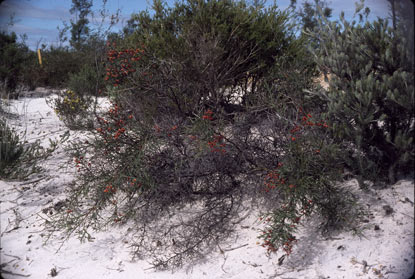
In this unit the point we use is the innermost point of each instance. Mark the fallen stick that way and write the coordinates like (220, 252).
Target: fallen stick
(231, 249)
(12, 273)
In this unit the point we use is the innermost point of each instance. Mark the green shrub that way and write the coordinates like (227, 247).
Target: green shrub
(85, 81)
(73, 109)
(179, 152)
(20, 159)
(10, 148)
(307, 181)
(13, 56)
(371, 95)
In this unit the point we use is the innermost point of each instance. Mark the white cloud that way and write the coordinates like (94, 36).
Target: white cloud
(25, 9)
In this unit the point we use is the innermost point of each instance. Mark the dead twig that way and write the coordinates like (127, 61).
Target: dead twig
(225, 258)
(231, 249)
(16, 257)
(12, 273)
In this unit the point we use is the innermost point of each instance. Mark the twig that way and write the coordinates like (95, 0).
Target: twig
(225, 258)
(251, 264)
(231, 249)
(407, 215)
(33, 181)
(16, 257)
(16, 222)
(12, 273)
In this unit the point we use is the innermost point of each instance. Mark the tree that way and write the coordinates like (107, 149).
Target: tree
(402, 15)
(79, 27)
(309, 14)
(13, 55)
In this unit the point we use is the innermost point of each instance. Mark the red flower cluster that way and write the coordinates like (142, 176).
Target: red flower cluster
(81, 164)
(133, 182)
(288, 245)
(109, 189)
(306, 121)
(115, 121)
(121, 63)
(217, 144)
(287, 242)
(208, 115)
(272, 179)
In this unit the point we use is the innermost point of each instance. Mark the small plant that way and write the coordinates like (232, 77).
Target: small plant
(72, 108)
(18, 159)
(10, 148)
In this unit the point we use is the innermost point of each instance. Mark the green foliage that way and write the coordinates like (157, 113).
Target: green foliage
(309, 14)
(73, 109)
(197, 49)
(86, 81)
(306, 180)
(79, 28)
(371, 95)
(18, 159)
(10, 148)
(205, 98)
(58, 63)
(13, 56)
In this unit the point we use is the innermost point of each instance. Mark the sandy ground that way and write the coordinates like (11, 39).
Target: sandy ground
(385, 250)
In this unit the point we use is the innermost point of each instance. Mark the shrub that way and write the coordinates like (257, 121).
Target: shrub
(204, 55)
(307, 182)
(86, 82)
(371, 94)
(201, 113)
(10, 148)
(13, 56)
(20, 159)
(73, 109)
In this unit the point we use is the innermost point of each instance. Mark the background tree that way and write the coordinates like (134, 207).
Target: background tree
(79, 26)
(13, 56)
(402, 15)
(309, 13)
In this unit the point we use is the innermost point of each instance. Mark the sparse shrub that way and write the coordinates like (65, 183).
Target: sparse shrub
(307, 181)
(73, 108)
(18, 158)
(10, 148)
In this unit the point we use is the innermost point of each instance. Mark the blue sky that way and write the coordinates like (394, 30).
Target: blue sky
(39, 19)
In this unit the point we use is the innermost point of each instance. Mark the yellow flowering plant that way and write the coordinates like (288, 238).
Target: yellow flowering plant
(71, 108)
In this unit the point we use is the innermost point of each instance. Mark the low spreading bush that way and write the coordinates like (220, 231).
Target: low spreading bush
(10, 148)
(203, 120)
(18, 158)
(73, 109)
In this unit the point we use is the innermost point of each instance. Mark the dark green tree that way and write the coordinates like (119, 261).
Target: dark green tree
(79, 26)
(402, 16)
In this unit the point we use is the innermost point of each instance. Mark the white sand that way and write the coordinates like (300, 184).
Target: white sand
(384, 253)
